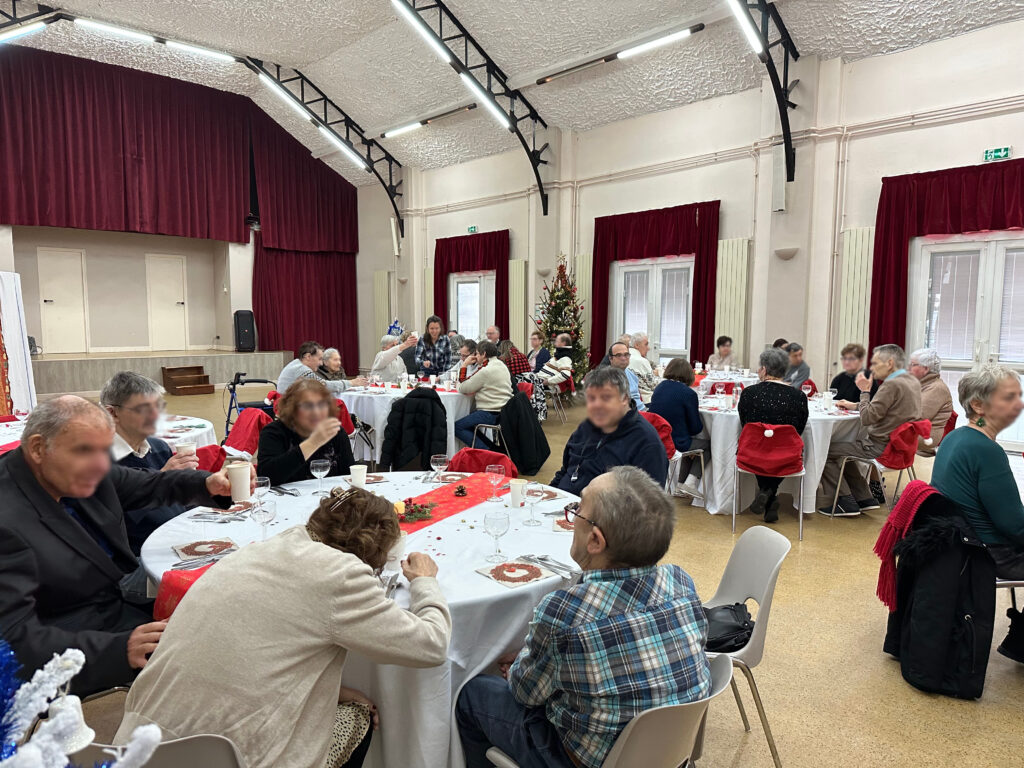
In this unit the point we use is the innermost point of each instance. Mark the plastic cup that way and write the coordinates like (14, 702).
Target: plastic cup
(396, 553)
(433, 379)
(358, 472)
(517, 492)
(238, 475)
(185, 448)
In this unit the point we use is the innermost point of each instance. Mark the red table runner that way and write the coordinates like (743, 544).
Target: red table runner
(478, 490)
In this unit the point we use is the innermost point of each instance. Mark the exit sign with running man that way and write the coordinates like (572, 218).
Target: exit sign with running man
(1000, 153)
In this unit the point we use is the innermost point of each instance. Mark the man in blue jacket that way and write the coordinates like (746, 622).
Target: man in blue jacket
(613, 435)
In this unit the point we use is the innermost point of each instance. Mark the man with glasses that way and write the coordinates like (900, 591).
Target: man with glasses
(852, 357)
(619, 357)
(629, 637)
(135, 403)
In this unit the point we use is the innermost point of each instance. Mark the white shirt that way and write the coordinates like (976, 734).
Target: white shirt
(388, 365)
(297, 369)
(120, 449)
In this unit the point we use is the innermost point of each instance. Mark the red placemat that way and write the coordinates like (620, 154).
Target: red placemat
(478, 490)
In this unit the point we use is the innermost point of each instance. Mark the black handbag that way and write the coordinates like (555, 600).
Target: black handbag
(729, 627)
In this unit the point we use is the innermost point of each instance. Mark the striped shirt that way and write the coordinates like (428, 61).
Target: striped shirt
(601, 652)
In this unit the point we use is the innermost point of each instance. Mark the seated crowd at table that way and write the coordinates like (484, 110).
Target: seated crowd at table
(89, 484)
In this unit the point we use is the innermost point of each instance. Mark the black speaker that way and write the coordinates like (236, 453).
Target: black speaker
(245, 331)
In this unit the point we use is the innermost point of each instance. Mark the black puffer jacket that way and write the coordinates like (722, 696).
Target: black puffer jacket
(417, 424)
(523, 435)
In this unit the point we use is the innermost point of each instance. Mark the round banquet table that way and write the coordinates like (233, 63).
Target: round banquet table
(416, 705)
(723, 427)
(174, 429)
(373, 406)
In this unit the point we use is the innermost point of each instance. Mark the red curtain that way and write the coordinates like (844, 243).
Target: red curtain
(94, 146)
(954, 201)
(301, 296)
(472, 253)
(677, 231)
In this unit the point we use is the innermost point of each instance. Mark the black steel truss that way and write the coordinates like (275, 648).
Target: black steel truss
(324, 112)
(18, 12)
(470, 58)
(766, 19)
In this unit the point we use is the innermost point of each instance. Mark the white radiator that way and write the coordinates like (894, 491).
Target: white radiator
(854, 288)
(517, 301)
(584, 285)
(382, 316)
(731, 297)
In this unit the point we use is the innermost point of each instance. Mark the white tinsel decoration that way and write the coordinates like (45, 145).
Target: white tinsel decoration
(33, 698)
(141, 746)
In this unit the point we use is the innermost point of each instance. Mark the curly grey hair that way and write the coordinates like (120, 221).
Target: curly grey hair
(126, 384)
(927, 357)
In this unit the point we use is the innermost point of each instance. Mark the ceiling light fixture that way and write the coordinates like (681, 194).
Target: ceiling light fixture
(110, 29)
(200, 51)
(404, 129)
(286, 96)
(28, 29)
(426, 121)
(345, 148)
(425, 32)
(486, 99)
(682, 34)
(739, 10)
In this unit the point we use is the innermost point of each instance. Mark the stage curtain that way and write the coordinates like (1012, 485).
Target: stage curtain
(677, 231)
(473, 253)
(94, 146)
(302, 296)
(949, 202)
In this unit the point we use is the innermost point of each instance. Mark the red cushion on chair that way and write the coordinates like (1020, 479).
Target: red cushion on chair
(274, 397)
(211, 458)
(664, 431)
(950, 424)
(477, 459)
(173, 586)
(771, 450)
(902, 447)
(245, 434)
(813, 386)
(526, 388)
(728, 387)
(345, 419)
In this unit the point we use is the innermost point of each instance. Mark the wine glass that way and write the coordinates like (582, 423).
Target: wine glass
(262, 489)
(265, 513)
(806, 389)
(720, 389)
(496, 474)
(496, 523)
(834, 392)
(534, 493)
(319, 469)
(439, 463)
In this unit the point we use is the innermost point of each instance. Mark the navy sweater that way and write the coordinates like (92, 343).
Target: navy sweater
(679, 405)
(140, 523)
(590, 452)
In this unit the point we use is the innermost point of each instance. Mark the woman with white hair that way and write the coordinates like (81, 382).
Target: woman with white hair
(388, 364)
(973, 471)
(936, 400)
(330, 366)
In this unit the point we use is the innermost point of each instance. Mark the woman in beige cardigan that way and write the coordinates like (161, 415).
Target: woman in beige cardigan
(255, 651)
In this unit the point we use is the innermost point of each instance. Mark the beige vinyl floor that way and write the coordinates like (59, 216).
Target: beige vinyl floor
(832, 697)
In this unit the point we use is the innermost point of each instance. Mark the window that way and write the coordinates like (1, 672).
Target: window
(471, 302)
(652, 296)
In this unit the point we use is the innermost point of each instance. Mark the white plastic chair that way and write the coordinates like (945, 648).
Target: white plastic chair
(662, 737)
(750, 574)
(207, 751)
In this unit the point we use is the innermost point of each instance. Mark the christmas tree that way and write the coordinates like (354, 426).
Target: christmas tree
(561, 312)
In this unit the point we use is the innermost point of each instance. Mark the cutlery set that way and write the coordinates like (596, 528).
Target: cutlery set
(564, 570)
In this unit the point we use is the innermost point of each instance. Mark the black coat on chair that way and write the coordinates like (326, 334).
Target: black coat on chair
(417, 424)
(527, 445)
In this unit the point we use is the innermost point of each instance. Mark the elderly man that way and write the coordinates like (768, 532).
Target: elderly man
(493, 335)
(629, 637)
(491, 387)
(619, 355)
(135, 404)
(798, 371)
(306, 366)
(388, 364)
(639, 346)
(897, 401)
(612, 435)
(936, 399)
(65, 566)
(558, 368)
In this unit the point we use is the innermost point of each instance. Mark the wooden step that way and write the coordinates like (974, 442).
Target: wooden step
(191, 378)
(181, 370)
(191, 389)
(186, 380)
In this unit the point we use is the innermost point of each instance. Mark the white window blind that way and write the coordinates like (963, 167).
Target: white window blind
(675, 301)
(467, 305)
(952, 304)
(1011, 325)
(635, 292)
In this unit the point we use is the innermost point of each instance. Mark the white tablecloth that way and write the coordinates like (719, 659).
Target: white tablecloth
(11, 431)
(174, 429)
(373, 405)
(707, 384)
(724, 430)
(416, 705)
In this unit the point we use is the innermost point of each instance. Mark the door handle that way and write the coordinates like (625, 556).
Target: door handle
(47, 301)
(181, 303)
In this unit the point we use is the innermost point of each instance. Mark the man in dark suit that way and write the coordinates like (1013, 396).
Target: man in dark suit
(64, 552)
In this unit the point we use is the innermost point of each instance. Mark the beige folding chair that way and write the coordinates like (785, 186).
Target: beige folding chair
(1010, 585)
(497, 437)
(205, 751)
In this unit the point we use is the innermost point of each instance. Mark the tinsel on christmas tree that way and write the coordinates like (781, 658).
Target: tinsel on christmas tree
(561, 312)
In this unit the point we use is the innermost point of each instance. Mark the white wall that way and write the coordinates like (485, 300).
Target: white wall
(932, 107)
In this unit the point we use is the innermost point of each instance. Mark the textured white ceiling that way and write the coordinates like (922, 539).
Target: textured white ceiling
(379, 71)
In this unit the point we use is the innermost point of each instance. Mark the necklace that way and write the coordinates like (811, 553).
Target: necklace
(583, 455)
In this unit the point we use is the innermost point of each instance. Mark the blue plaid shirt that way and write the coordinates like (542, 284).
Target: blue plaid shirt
(600, 653)
(439, 355)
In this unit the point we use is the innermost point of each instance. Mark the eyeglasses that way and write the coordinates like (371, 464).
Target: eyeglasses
(309, 407)
(572, 511)
(850, 359)
(139, 410)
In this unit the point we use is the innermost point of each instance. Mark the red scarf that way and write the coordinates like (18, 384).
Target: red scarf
(894, 530)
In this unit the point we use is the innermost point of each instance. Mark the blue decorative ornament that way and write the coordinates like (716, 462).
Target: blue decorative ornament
(9, 685)
(395, 329)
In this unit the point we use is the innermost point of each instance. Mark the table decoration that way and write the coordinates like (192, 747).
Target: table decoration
(515, 573)
(197, 549)
(447, 503)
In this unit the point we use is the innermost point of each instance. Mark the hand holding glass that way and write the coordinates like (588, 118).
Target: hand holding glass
(319, 469)
(496, 474)
(496, 523)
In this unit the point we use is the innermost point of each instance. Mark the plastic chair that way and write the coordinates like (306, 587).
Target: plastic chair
(245, 434)
(497, 436)
(1010, 585)
(662, 737)
(750, 574)
(211, 457)
(781, 458)
(477, 460)
(525, 387)
(208, 751)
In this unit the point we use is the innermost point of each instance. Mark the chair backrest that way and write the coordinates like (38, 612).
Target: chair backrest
(814, 387)
(664, 737)
(950, 425)
(346, 420)
(664, 431)
(771, 450)
(211, 457)
(526, 388)
(750, 574)
(903, 443)
(245, 434)
(477, 459)
(208, 751)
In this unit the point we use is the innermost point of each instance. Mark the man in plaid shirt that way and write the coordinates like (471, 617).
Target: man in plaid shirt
(629, 637)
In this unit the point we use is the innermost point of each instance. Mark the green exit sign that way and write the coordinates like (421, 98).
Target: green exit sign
(471, 230)
(1000, 153)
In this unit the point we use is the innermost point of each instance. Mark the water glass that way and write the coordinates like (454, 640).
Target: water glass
(265, 513)
(439, 463)
(496, 474)
(496, 523)
(719, 389)
(262, 489)
(319, 469)
(534, 493)
(806, 389)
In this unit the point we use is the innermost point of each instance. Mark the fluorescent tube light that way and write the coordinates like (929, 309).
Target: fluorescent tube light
(739, 10)
(404, 129)
(199, 51)
(344, 147)
(652, 44)
(486, 99)
(425, 31)
(285, 95)
(110, 29)
(28, 29)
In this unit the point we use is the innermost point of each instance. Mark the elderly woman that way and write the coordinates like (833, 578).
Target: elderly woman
(538, 354)
(307, 428)
(723, 356)
(388, 364)
(972, 470)
(676, 402)
(330, 367)
(433, 350)
(936, 400)
(256, 649)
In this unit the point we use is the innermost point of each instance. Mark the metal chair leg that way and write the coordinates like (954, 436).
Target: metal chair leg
(760, 710)
(839, 484)
(800, 508)
(735, 495)
(739, 702)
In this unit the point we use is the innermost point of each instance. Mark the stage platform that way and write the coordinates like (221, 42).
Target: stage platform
(86, 373)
